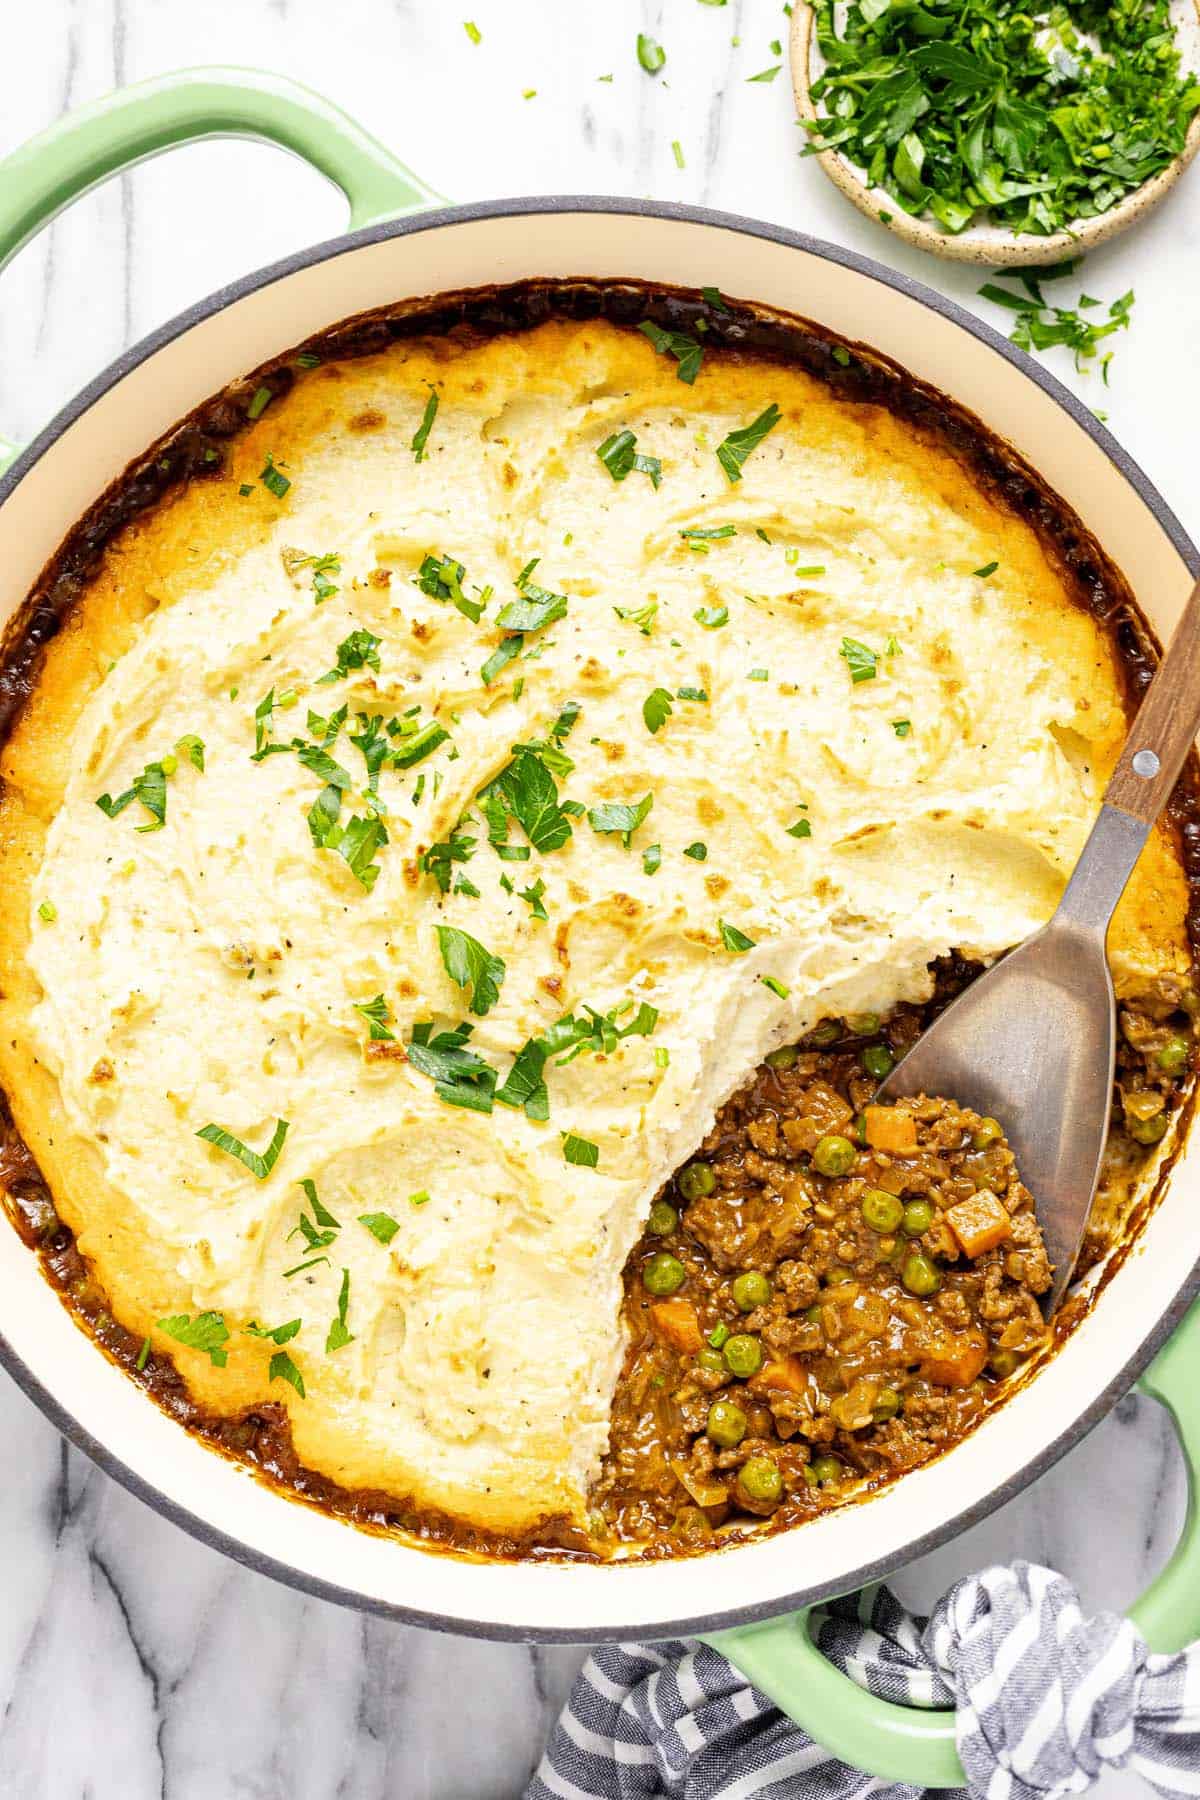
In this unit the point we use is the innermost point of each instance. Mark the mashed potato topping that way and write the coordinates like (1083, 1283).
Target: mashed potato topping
(485, 736)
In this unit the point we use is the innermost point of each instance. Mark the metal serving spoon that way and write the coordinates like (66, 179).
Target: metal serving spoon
(1032, 1042)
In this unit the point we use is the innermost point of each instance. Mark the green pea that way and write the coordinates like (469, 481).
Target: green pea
(726, 1424)
(988, 1131)
(1174, 1055)
(878, 1061)
(783, 1058)
(760, 1478)
(920, 1276)
(834, 1155)
(663, 1219)
(918, 1217)
(881, 1210)
(826, 1469)
(750, 1290)
(1003, 1363)
(827, 1032)
(887, 1405)
(743, 1355)
(1147, 1131)
(863, 1024)
(858, 1131)
(696, 1180)
(664, 1273)
(837, 1273)
(813, 1313)
(712, 1360)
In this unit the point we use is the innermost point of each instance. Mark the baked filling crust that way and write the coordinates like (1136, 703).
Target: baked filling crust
(393, 719)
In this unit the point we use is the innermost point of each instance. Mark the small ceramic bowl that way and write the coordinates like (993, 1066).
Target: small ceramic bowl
(987, 244)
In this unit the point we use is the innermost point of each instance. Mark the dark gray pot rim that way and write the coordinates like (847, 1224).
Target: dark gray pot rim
(1079, 1425)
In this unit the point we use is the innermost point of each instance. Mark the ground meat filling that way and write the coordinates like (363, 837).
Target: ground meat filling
(832, 1292)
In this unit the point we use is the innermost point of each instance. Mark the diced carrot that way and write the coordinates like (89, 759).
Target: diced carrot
(676, 1324)
(979, 1223)
(955, 1360)
(889, 1129)
(787, 1374)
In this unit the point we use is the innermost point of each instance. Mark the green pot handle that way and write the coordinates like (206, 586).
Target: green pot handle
(88, 146)
(897, 1743)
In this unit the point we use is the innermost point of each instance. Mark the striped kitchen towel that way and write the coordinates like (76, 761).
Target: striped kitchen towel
(1047, 1699)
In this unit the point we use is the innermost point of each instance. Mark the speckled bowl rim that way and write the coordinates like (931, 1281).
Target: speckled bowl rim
(84, 1435)
(985, 246)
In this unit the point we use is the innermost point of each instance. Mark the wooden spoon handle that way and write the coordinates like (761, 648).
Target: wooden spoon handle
(1166, 725)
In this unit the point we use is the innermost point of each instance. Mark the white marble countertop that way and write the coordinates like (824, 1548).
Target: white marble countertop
(133, 1662)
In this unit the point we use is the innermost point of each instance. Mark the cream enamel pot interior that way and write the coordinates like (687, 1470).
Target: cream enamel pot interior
(49, 484)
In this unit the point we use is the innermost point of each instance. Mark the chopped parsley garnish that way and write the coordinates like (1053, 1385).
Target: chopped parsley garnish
(259, 1166)
(358, 651)
(421, 434)
(691, 693)
(863, 663)
(500, 658)
(282, 1368)
(652, 859)
(657, 709)
(339, 1334)
(736, 447)
(597, 1033)
(259, 404)
(652, 56)
(278, 1334)
(706, 534)
(902, 727)
(381, 1225)
(687, 351)
(1041, 326)
(766, 74)
(192, 747)
(620, 456)
(377, 1013)
(617, 816)
(580, 1151)
(207, 1331)
(711, 616)
(533, 898)
(1036, 120)
(440, 858)
(420, 1198)
(441, 578)
(776, 986)
(801, 829)
(759, 675)
(641, 616)
(143, 1355)
(697, 851)
(469, 964)
(47, 911)
(459, 1077)
(733, 939)
(308, 359)
(712, 295)
(535, 608)
(472, 30)
(526, 791)
(150, 789)
(272, 479)
(677, 153)
(987, 569)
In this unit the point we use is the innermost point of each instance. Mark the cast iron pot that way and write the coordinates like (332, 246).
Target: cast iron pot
(751, 1599)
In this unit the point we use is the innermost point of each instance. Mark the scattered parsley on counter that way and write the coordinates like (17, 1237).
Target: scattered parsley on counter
(472, 30)
(733, 939)
(652, 56)
(736, 447)
(377, 1013)
(580, 1151)
(677, 153)
(381, 1225)
(688, 353)
(259, 1166)
(469, 964)
(862, 662)
(1038, 119)
(1041, 326)
(207, 1331)
(620, 456)
(766, 74)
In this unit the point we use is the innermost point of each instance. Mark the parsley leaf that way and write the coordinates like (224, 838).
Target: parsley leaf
(862, 662)
(271, 478)
(902, 727)
(282, 1368)
(500, 659)
(527, 791)
(207, 1331)
(652, 56)
(641, 616)
(580, 1151)
(687, 351)
(657, 709)
(617, 816)
(697, 851)
(278, 1334)
(470, 965)
(259, 1166)
(652, 859)
(381, 1225)
(711, 617)
(339, 1334)
(620, 456)
(358, 651)
(441, 578)
(733, 939)
(440, 858)
(533, 896)
(459, 1077)
(736, 447)
(421, 434)
(377, 1013)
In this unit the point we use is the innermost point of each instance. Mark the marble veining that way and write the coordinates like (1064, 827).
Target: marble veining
(134, 1663)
